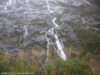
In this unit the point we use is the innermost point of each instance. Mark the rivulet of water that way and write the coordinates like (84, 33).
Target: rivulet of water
(25, 31)
(57, 45)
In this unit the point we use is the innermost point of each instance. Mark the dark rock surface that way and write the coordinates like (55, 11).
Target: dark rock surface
(71, 15)
(96, 2)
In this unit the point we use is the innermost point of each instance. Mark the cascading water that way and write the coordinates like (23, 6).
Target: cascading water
(48, 6)
(53, 32)
(25, 31)
(9, 3)
(87, 2)
(13, 3)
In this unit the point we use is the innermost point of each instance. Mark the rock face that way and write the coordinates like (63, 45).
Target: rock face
(97, 2)
(31, 18)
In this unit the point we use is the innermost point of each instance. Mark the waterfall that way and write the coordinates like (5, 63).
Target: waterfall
(25, 4)
(10, 3)
(27, 1)
(57, 45)
(48, 6)
(25, 31)
(14, 3)
(87, 2)
(53, 21)
(83, 20)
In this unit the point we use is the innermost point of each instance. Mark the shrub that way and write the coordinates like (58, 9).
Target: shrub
(69, 67)
(77, 67)
(2, 60)
(56, 67)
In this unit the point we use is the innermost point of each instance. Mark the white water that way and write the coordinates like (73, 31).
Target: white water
(53, 32)
(87, 2)
(48, 6)
(13, 3)
(53, 21)
(83, 20)
(25, 31)
(9, 3)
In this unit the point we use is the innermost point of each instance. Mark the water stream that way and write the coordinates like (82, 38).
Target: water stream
(52, 32)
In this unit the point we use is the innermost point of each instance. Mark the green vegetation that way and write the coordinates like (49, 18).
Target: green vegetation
(69, 67)
(56, 67)
(2, 60)
(90, 41)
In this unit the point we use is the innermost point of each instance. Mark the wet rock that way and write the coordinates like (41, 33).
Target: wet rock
(35, 16)
(2, 46)
(97, 2)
